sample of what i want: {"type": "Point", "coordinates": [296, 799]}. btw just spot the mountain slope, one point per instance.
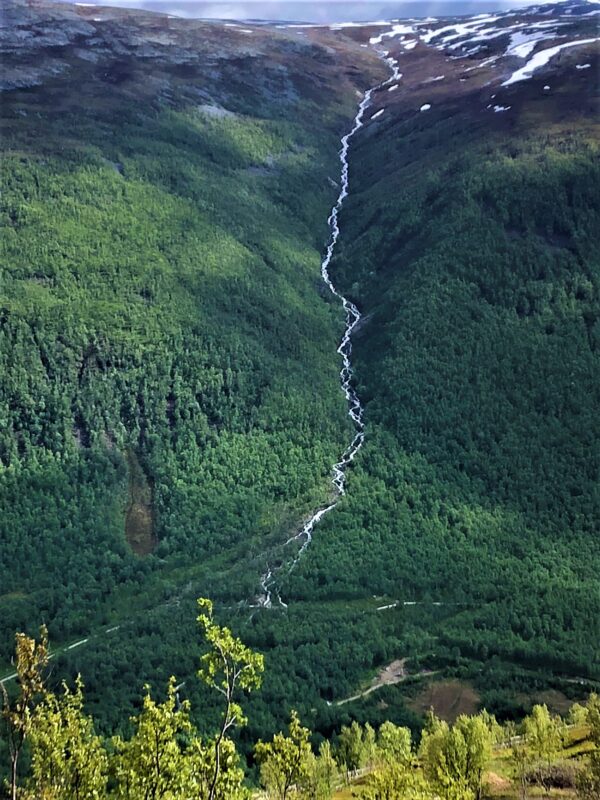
{"type": "Point", "coordinates": [162, 329]}
{"type": "Point", "coordinates": [470, 244]}
{"type": "Point", "coordinates": [173, 407]}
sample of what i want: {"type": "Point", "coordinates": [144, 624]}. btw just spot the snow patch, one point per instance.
{"type": "Point", "coordinates": [425, 107]}
{"type": "Point", "coordinates": [338, 26]}
{"type": "Point", "coordinates": [523, 43]}
{"type": "Point", "coordinates": [458, 29]}
{"type": "Point", "coordinates": [378, 113]}
{"type": "Point", "coordinates": [582, 66]}
{"type": "Point", "coordinates": [541, 58]}
{"type": "Point", "coordinates": [397, 30]}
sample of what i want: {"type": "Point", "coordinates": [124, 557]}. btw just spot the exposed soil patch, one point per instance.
{"type": "Point", "coordinates": [497, 783]}
{"type": "Point", "coordinates": [396, 672]}
{"type": "Point", "coordinates": [556, 701]}
{"type": "Point", "coordinates": [139, 518]}
{"type": "Point", "coordinates": [392, 673]}
{"type": "Point", "coordinates": [448, 699]}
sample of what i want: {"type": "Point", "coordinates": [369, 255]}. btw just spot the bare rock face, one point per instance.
{"type": "Point", "coordinates": [166, 58]}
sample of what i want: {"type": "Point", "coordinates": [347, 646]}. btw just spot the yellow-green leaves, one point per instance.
{"type": "Point", "coordinates": [394, 744]}
{"type": "Point", "coordinates": [201, 768]}
{"type": "Point", "coordinates": [229, 664]}
{"type": "Point", "coordinates": [544, 734]}
{"type": "Point", "coordinates": [68, 760]}
{"type": "Point", "coordinates": [166, 758]}
{"type": "Point", "coordinates": [588, 784]}
{"type": "Point", "coordinates": [534, 751]}
{"type": "Point", "coordinates": [31, 658]}
{"type": "Point", "coordinates": [227, 667]}
{"type": "Point", "coordinates": [593, 717]}
{"type": "Point", "coordinates": [356, 745]}
{"type": "Point", "coordinates": [397, 782]}
{"type": "Point", "coordinates": [454, 758]}
{"type": "Point", "coordinates": [285, 762]}
{"type": "Point", "coordinates": [152, 763]}
{"type": "Point", "coordinates": [393, 776]}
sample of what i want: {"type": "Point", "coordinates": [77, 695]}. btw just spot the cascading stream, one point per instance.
{"type": "Point", "coordinates": [353, 316]}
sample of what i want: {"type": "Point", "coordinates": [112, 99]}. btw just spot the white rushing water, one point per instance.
{"type": "Point", "coordinates": [353, 316]}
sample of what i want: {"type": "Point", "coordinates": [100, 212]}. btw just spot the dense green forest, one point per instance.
{"type": "Point", "coordinates": [55, 752]}
{"type": "Point", "coordinates": [161, 324]}
{"type": "Point", "coordinates": [472, 249]}
{"type": "Point", "coordinates": [170, 381]}
{"type": "Point", "coordinates": [170, 400]}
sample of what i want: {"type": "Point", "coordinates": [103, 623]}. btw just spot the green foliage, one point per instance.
{"type": "Point", "coordinates": [68, 760]}
{"type": "Point", "coordinates": [356, 746]}
{"type": "Point", "coordinates": [323, 774]}
{"type": "Point", "coordinates": [165, 757]}
{"type": "Point", "coordinates": [454, 758]}
{"type": "Point", "coordinates": [588, 784]}
{"type": "Point", "coordinates": [394, 744]}
{"type": "Point", "coordinates": [521, 763]}
{"type": "Point", "coordinates": [158, 298]}
{"type": "Point", "coordinates": [285, 762]}
{"type": "Point", "coordinates": [397, 782]}
{"type": "Point", "coordinates": [228, 667]}
{"type": "Point", "coordinates": [153, 762]}
{"type": "Point", "coordinates": [536, 749]}
{"type": "Point", "coordinates": [474, 262]}
{"type": "Point", "coordinates": [544, 734]}
{"type": "Point", "coordinates": [393, 776]}
{"type": "Point", "coordinates": [31, 659]}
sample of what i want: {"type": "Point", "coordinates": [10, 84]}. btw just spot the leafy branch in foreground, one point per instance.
{"type": "Point", "coordinates": [588, 784]}
{"type": "Point", "coordinates": [30, 661]}
{"type": "Point", "coordinates": [228, 666]}
{"type": "Point", "coordinates": [165, 758]}
{"type": "Point", "coordinates": [284, 762]}
{"type": "Point", "coordinates": [68, 759]}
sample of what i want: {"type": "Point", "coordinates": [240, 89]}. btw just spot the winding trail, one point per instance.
{"type": "Point", "coordinates": [355, 408]}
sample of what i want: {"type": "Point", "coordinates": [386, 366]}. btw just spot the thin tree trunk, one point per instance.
{"type": "Point", "coordinates": [215, 777]}
{"type": "Point", "coordinates": [213, 785]}
{"type": "Point", "coordinates": [13, 775]}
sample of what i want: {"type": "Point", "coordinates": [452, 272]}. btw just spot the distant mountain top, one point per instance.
{"type": "Point", "coordinates": [324, 13]}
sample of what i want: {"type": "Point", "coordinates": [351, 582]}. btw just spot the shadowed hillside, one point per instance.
{"type": "Point", "coordinates": [172, 407]}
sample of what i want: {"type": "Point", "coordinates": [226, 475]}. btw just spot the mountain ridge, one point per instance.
{"type": "Point", "coordinates": [168, 188]}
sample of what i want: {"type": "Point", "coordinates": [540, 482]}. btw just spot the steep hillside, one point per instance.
{"type": "Point", "coordinates": [171, 402]}
{"type": "Point", "coordinates": [172, 408]}
{"type": "Point", "coordinates": [471, 246]}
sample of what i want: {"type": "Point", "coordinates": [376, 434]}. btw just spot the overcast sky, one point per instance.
{"type": "Point", "coordinates": [325, 11]}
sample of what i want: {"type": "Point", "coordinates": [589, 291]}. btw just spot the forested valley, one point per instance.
{"type": "Point", "coordinates": [171, 406]}
{"type": "Point", "coordinates": [164, 756]}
